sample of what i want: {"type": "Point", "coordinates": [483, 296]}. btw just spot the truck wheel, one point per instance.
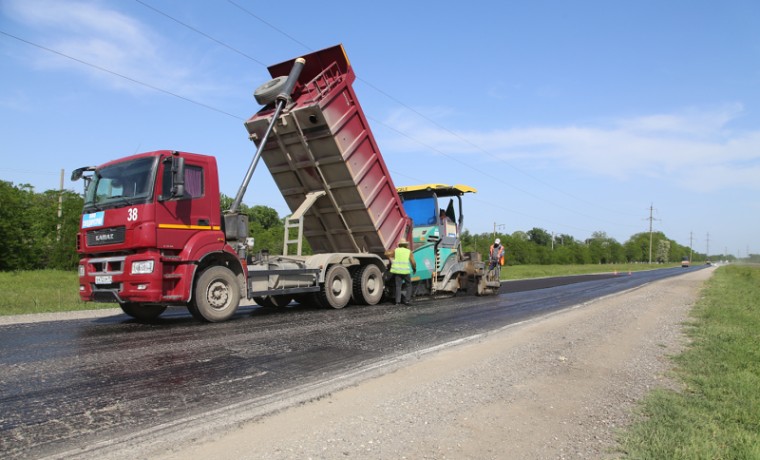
{"type": "Point", "coordinates": [368, 285]}
{"type": "Point", "coordinates": [279, 301]}
{"type": "Point", "coordinates": [193, 309]}
{"type": "Point", "coordinates": [337, 290]}
{"type": "Point", "coordinates": [216, 294]}
{"type": "Point", "coordinates": [263, 301]}
{"type": "Point", "coordinates": [267, 93]}
{"type": "Point", "coordinates": [143, 313]}
{"type": "Point", "coordinates": [273, 301]}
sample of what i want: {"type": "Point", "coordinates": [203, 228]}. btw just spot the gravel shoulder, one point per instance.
{"type": "Point", "coordinates": [556, 387]}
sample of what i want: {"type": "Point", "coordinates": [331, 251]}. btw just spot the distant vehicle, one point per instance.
{"type": "Point", "coordinates": [685, 262]}
{"type": "Point", "coordinates": [708, 263]}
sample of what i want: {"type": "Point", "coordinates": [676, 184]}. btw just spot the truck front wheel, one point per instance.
{"type": "Point", "coordinates": [216, 295]}
{"type": "Point", "coordinates": [142, 313]}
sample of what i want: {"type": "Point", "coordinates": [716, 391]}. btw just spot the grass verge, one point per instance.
{"type": "Point", "coordinates": [41, 291]}
{"type": "Point", "coordinates": [517, 272]}
{"type": "Point", "coordinates": [717, 414]}
{"type": "Point", "coordinates": [46, 291]}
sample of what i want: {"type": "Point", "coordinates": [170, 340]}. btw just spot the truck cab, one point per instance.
{"type": "Point", "coordinates": [150, 222]}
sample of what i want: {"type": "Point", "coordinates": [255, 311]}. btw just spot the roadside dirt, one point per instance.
{"type": "Point", "coordinates": [552, 388]}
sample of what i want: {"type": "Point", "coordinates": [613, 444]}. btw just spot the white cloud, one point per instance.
{"type": "Point", "coordinates": [103, 37]}
{"type": "Point", "coordinates": [694, 148]}
{"type": "Point", "coordinates": [691, 122]}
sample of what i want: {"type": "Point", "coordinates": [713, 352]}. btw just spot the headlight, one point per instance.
{"type": "Point", "coordinates": [81, 270]}
{"type": "Point", "coordinates": [142, 267]}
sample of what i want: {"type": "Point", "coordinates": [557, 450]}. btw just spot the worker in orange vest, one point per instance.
{"type": "Point", "coordinates": [495, 255]}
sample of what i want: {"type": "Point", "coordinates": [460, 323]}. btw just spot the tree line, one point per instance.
{"type": "Point", "coordinates": [539, 247]}
{"type": "Point", "coordinates": [38, 231]}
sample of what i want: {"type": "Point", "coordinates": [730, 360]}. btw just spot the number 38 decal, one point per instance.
{"type": "Point", "coordinates": [131, 214]}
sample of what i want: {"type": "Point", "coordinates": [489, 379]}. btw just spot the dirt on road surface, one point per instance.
{"type": "Point", "coordinates": [551, 388]}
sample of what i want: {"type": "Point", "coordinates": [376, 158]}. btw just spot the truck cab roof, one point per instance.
{"type": "Point", "coordinates": [439, 189]}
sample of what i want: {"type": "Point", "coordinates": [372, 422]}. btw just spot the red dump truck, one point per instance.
{"type": "Point", "coordinates": [153, 233]}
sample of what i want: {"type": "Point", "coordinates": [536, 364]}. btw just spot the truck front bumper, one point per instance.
{"type": "Point", "coordinates": [111, 279]}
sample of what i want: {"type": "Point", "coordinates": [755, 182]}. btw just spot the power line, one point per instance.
{"type": "Point", "coordinates": [424, 117]}
{"type": "Point", "coordinates": [209, 107]}
{"type": "Point", "coordinates": [133, 80]}
{"type": "Point", "coordinates": [26, 171]}
{"type": "Point", "coordinates": [271, 26]}
{"type": "Point", "coordinates": [200, 32]}
{"type": "Point", "coordinates": [401, 103]}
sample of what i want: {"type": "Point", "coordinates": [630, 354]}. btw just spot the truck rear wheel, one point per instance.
{"type": "Point", "coordinates": [216, 295]}
{"type": "Point", "coordinates": [273, 301]}
{"type": "Point", "coordinates": [143, 313]}
{"type": "Point", "coordinates": [337, 290]}
{"type": "Point", "coordinates": [368, 285]}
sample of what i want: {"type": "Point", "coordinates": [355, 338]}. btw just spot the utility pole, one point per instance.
{"type": "Point", "coordinates": [495, 226]}
{"type": "Point", "coordinates": [60, 210]}
{"type": "Point", "coordinates": [707, 254]}
{"type": "Point", "coordinates": [691, 244]}
{"type": "Point", "coordinates": [651, 218]}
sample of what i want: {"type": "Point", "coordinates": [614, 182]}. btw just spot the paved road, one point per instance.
{"type": "Point", "coordinates": [75, 386]}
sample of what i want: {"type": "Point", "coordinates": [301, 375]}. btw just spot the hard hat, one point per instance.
{"type": "Point", "coordinates": [498, 241]}
{"type": "Point", "coordinates": [403, 242]}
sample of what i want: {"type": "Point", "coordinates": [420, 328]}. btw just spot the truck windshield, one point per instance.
{"type": "Point", "coordinates": [121, 184]}
{"type": "Point", "coordinates": [422, 210]}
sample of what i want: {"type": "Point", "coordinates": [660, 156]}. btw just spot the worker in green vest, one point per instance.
{"type": "Point", "coordinates": [402, 267]}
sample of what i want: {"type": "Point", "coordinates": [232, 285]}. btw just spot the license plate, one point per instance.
{"type": "Point", "coordinates": [104, 279]}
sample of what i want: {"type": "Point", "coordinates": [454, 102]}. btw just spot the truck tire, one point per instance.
{"type": "Point", "coordinates": [216, 295]}
{"type": "Point", "coordinates": [142, 313]}
{"type": "Point", "coordinates": [267, 93]}
{"type": "Point", "coordinates": [368, 285]}
{"type": "Point", "coordinates": [273, 301]}
{"type": "Point", "coordinates": [337, 290]}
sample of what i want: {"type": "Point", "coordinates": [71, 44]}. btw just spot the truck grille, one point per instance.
{"type": "Point", "coordinates": [105, 236]}
{"type": "Point", "coordinates": [107, 296]}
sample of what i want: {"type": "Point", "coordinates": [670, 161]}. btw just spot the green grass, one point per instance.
{"type": "Point", "coordinates": [46, 291]}
{"type": "Point", "coordinates": [516, 272]}
{"type": "Point", "coordinates": [41, 291]}
{"type": "Point", "coordinates": [717, 415]}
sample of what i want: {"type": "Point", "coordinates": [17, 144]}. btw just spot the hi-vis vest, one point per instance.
{"type": "Point", "coordinates": [401, 265]}
{"type": "Point", "coordinates": [498, 254]}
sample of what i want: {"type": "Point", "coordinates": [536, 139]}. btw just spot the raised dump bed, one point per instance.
{"type": "Point", "coordinates": [322, 142]}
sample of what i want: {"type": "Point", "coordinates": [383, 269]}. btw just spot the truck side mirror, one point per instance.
{"type": "Point", "coordinates": [178, 177]}
{"type": "Point", "coordinates": [79, 172]}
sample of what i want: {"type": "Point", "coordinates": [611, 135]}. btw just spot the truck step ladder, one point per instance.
{"type": "Point", "coordinates": [296, 221]}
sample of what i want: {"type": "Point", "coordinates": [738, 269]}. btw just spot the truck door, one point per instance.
{"type": "Point", "coordinates": [179, 219]}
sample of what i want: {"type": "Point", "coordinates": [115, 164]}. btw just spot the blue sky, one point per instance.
{"type": "Point", "coordinates": [571, 116]}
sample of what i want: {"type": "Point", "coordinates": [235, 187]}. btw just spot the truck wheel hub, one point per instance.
{"type": "Point", "coordinates": [218, 294]}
